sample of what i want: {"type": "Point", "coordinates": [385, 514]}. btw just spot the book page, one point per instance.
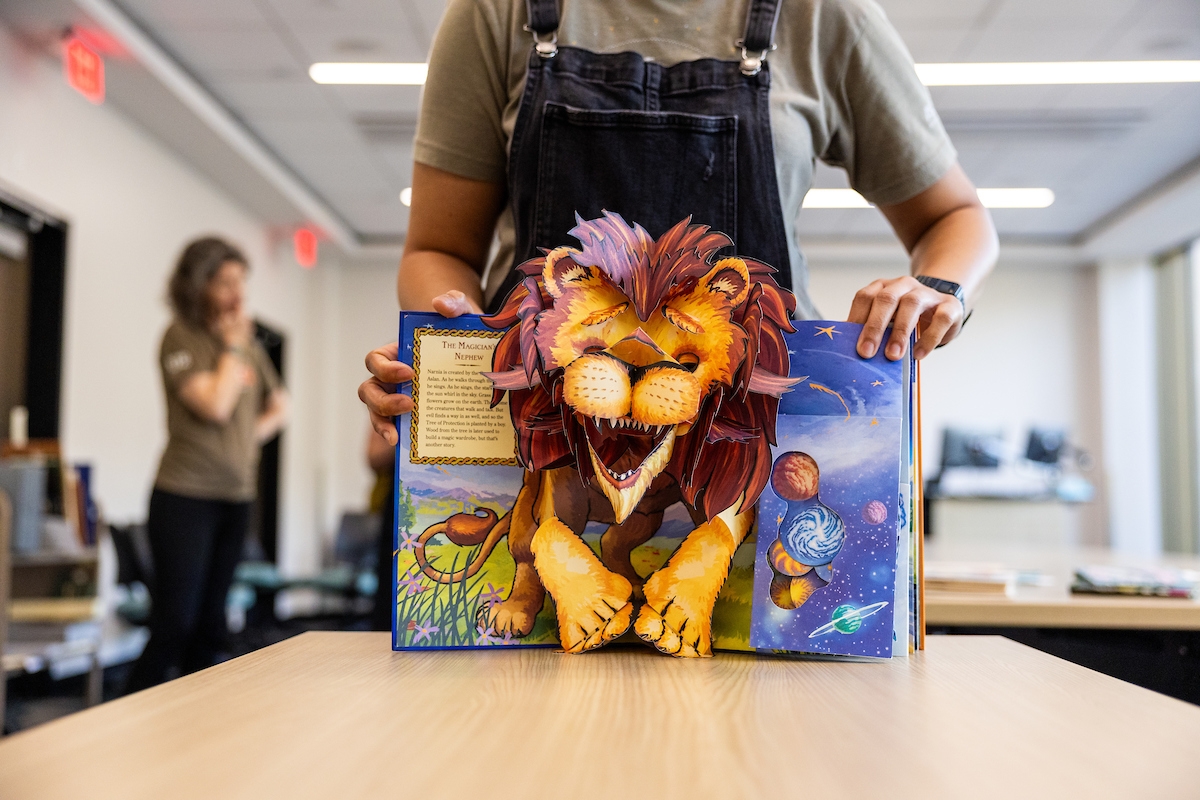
{"type": "Point", "coordinates": [453, 421]}
{"type": "Point", "coordinates": [825, 568]}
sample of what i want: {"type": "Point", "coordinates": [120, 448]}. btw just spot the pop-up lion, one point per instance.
{"type": "Point", "coordinates": [640, 373]}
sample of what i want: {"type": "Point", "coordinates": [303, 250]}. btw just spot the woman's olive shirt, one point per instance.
{"type": "Point", "coordinates": [210, 460]}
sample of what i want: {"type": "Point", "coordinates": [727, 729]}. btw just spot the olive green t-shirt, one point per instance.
{"type": "Point", "coordinates": [203, 459]}
{"type": "Point", "coordinates": [843, 89]}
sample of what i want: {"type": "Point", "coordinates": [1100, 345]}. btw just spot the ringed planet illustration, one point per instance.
{"type": "Point", "coordinates": [847, 619]}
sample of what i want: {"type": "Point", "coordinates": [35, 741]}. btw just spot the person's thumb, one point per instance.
{"type": "Point", "coordinates": [452, 304]}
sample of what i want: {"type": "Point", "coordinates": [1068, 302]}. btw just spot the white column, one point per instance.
{"type": "Point", "coordinates": [1129, 404]}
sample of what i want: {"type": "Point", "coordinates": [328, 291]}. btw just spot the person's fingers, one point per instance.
{"type": "Point", "coordinates": [882, 309]}
{"type": "Point", "coordinates": [377, 393]}
{"type": "Point", "coordinates": [908, 312]}
{"type": "Point", "coordinates": [382, 405]}
{"type": "Point", "coordinates": [861, 306]}
{"type": "Point", "coordinates": [386, 428]}
{"type": "Point", "coordinates": [383, 365]}
{"type": "Point", "coordinates": [454, 304]}
{"type": "Point", "coordinates": [940, 328]}
{"type": "Point", "coordinates": [382, 401]}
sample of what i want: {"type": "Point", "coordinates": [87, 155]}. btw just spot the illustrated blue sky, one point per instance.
{"type": "Point", "coordinates": [859, 461]}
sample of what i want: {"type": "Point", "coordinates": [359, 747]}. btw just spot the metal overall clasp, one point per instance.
{"type": "Point", "coordinates": [752, 63]}
{"type": "Point", "coordinates": [546, 44]}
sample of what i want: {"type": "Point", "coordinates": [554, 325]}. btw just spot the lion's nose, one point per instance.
{"type": "Point", "coordinates": [638, 349]}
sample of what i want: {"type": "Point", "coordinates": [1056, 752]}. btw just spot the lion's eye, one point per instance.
{"type": "Point", "coordinates": [682, 321]}
{"type": "Point", "coordinates": [604, 314]}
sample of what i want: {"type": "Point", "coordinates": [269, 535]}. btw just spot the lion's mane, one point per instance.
{"type": "Point", "coordinates": [727, 451]}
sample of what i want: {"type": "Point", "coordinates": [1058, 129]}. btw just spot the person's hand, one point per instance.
{"type": "Point", "coordinates": [248, 376]}
{"type": "Point", "coordinates": [454, 304]}
{"type": "Point", "coordinates": [379, 391]}
{"type": "Point", "coordinates": [234, 328]}
{"type": "Point", "coordinates": [905, 304]}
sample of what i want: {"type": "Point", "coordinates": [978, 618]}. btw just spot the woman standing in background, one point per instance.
{"type": "Point", "coordinates": [224, 399]}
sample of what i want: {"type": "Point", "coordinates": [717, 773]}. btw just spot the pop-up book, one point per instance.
{"type": "Point", "coordinates": [641, 445]}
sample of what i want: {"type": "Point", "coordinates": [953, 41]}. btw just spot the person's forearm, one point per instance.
{"type": "Point", "coordinates": [213, 395]}
{"type": "Point", "coordinates": [227, 386]}
{"type": "Point", "coordinates": [271, 421]}
{"type": "Point", "coordinates": [425, 274]}
{"type": "Point", "coordinates": [960, 247]}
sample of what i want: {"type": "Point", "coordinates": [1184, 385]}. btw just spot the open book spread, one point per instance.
{"type": "Point", "coordinates": [491, 553]}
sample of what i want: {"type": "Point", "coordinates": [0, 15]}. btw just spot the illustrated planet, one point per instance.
{"type": "Point", "coordinates": [812, 535]}
{"type": "Point", "coordinates": [847, 619]}
{"type": "Point", "coordinates": [874, 512]}
{"type": "Point", "coordinates": [795, 476]}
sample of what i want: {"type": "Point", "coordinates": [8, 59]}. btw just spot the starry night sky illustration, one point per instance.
{"type": "Point", "coordinates": [859, 462]}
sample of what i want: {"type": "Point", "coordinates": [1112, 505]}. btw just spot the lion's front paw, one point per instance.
{"type": "Point", "coordinates": [598, 623]}
{"type": "Point", "coordinates": [592, 603]}
{"type": "Point", "coordinates": [674, 625]}
{"type": "Point", "coordinates": [677, 616]}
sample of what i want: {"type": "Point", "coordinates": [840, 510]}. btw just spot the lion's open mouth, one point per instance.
{"type": "Point", "coordinates": [645, 452]}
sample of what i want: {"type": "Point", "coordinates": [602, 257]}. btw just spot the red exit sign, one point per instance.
{"type": "Point", "coordinates": [304, 245]}
{"type": "Point", "coordinates": [84, 70]}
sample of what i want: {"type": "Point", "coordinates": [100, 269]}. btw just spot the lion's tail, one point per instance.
{"type": "Point", "coordinates": [465, 530]}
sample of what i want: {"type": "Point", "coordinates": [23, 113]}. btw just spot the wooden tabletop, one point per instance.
{"type": "Point", "coordinates": [1052, 605]}
{"type": "Point", "coordinates": [338, 715]}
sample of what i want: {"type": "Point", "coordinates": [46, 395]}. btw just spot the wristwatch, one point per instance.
{"type": "Point", "coordinates": [947, 287]}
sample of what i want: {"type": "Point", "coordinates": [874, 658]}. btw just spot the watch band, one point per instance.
{"type": "Point", "coordinates": [944, 286]}
{"type": "Point", "coordinates": [948, 287]}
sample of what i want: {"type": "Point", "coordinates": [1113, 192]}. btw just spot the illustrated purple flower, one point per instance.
{"type": "Point", "coordinates": [425, 632]}
{"type": "Point", "coordinates": [490, 596]}
{"type": "Point", "coordinates": [408, 540]}
{"type": "Point", "coordinates": [412, 582]}
{"type": "Point", "coordinates": [486, 635]}
{"type": "Point", "coordinates": [508, 638]}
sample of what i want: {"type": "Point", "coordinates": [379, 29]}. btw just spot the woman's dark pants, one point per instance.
{"type": "Point", "coordinates": [196, 546]}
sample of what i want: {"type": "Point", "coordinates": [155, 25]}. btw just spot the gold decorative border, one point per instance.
{"type": "Point", "coordinates": [413, 457]}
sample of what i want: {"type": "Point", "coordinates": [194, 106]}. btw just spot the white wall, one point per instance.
{"type": "Point", "coordinates": [132, 205]}
{"type": "Point", "coordinates": [368, 318]}
{"type": "Point", "coordinates": [1029, 356]}
{"type": "Point", "coordinates": [1127, 302]}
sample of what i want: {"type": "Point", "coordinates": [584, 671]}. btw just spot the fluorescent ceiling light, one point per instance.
{"type": "Point", "coordinates": [1016, 198]}
{"type": "Point", "coordinates": [1014, 73]}
{"type": "Point", "coordinates": [369, 73]}
{"type": "Point", "coordinates": [992, 198]}
{"type": "Point", "coordinates": [1042, 73]}
{"type": "Point", "coordinates": [406, 196]}
{"type": "Point", "coordinates": [834, 198]}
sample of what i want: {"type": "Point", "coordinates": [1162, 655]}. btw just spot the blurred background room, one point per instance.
{"type": "Point", "coordinates": [1060, 433]}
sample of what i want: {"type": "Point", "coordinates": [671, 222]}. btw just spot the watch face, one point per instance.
{"type": "Point", "coordinates": [943, 286]}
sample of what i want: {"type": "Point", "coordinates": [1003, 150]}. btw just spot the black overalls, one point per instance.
{"type": "Point", "coordinates": [612, 132]}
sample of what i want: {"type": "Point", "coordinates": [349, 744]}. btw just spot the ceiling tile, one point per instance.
{"type": "Point", "coordinates": [1096, 146]}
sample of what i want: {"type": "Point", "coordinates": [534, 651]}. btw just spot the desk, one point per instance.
{"type": "Point", "coordinates": [1054, 606]}
{"type": "Point", "coordinates": [1153, 642]}
{"type": "Point", "coordinates": [338, 715]}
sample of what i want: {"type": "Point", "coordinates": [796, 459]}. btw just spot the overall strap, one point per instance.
{"type": "Point", "coordinates": [543, 24]}
{"type": "Point", "coordinates": [759, 39]}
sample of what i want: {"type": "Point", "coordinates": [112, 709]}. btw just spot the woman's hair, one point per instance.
{"type": "Point", "coordinates": [197, 265]}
